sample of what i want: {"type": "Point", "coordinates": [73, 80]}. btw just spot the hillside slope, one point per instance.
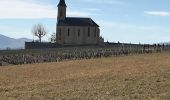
{"type": "Point", "coordinates": [7, 42]}
{"type": "Point", "coordinates": [141, 77]}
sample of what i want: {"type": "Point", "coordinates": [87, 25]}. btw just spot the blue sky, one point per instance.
{"type": "Point", "coordinates": [132, 21]}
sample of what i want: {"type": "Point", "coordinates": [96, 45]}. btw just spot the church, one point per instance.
{"type": "Point", "coordinates": [75, 30]}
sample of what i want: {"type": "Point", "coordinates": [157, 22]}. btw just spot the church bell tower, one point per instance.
{"type": "Point", "coordinates": [61, 10]}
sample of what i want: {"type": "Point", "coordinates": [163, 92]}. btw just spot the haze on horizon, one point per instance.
{"type": "Point", "coordinates": [128, 21]}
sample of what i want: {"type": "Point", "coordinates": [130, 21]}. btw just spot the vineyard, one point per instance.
{"type": "Point", "coordinates": [18, 57]}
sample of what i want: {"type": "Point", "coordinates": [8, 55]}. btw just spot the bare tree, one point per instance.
{"type": "Point", "coordinates": [39, 31]}
{"type": "Point", "coordinates": [53, 38]}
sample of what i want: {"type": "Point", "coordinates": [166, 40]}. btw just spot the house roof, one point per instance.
{"type": "Point", "coordinates": [73, 21]}
{"type": "Point", "coordinates": [62, 3]}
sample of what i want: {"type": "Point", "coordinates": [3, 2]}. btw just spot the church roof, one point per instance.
{"type": "Point", "coordinates": [73, 21]}
{"type": "Point", "coordinates": [62, 3]}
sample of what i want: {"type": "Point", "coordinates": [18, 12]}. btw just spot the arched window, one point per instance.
{"type": "Point", "coordinates": [78, 32]}
{"type": "Point", "coordinates": [88, 32]}
{"type": "Point", "coordinates": [68, 34]}
{"type": "Point", "coordinates": [94, 32]}
{"type": "Point", "coordinates": [61, 13]}
{"type": "Point", "coordinates": [60, 34]}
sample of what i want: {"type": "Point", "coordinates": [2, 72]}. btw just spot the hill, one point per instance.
{"type": "Point", "coordinates": [165, 43]}
{"type": "Point", "coordinates": [7, 42]}
{"type": "Point", "coordinates": [139, 77]}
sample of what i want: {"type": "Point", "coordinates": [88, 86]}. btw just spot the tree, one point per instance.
{"type": "Point", "coordinates": [39, 31]}
{"type": "Point", "coordinates": [53, 38]}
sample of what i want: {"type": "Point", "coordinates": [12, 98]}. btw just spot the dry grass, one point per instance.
{"type": "Point", "coordinates": [143, 77]}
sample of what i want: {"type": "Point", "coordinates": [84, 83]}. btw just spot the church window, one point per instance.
{"type": "Point", "coordinates": [95, 32]}
{"type": "Point", "coordinates": [61, 13]}
{"type": "Point", "coordinates": [60, 34]}
{"type": "Point", "coordinates": [88, 32]}
{"type": "Point", "coordinates": [68, 32]}
{"type": "Point", "coordinates": [78, 32]}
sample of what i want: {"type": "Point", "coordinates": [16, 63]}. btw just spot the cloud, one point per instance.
{"type": "Point", "coordinates": [25, 9]}
{"type": "Point", "coordinates": [110, 2]}
{"type": "Point", "coordinates": [127, 26]}
{"type": "Point", "coordinates": [158, 13]}
{"type": "Point", "coordinates": [129, 32]}
{"type": "Point", "coordinates": [79, 14]}
{"type": "Point", "coordinates": [94, 9]}
{"type": "Point", "coordinates": [15, 32]}
{"type": "Point", "coordinates": [31, 9]}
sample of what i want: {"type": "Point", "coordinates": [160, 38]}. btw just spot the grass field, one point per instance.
{"type": "Point", "coordinates": [139, 77]}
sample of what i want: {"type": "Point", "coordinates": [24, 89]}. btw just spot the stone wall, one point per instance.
{"type": "Point", "coordinates": [48, 45]}
{"type": "Point", "coordinates": [74, 35]}
{"type": "Point", "coordinates": [38, 45]}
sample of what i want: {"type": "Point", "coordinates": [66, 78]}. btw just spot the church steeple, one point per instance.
{"type": "Point", "coordinates": [62, 3]}
{"type": "Point", "coordinates": [61, 10]}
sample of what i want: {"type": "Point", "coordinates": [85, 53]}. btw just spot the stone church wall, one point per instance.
{"type": "Point", "coordinates": [71, 35]}
{"type": "Point", "coordinates": [93, 38]}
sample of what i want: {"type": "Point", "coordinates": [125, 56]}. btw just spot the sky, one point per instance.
{"type": "Point", "coordinates": [130, 21]}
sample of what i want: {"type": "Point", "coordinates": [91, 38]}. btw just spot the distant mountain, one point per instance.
{"type": "Point", "coordinates": [7, 42]}
{"type": "Point", "coordinates": [165, 43]}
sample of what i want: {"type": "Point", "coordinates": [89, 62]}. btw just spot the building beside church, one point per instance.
{"type": "Point", "coordinates": [74, 30]}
